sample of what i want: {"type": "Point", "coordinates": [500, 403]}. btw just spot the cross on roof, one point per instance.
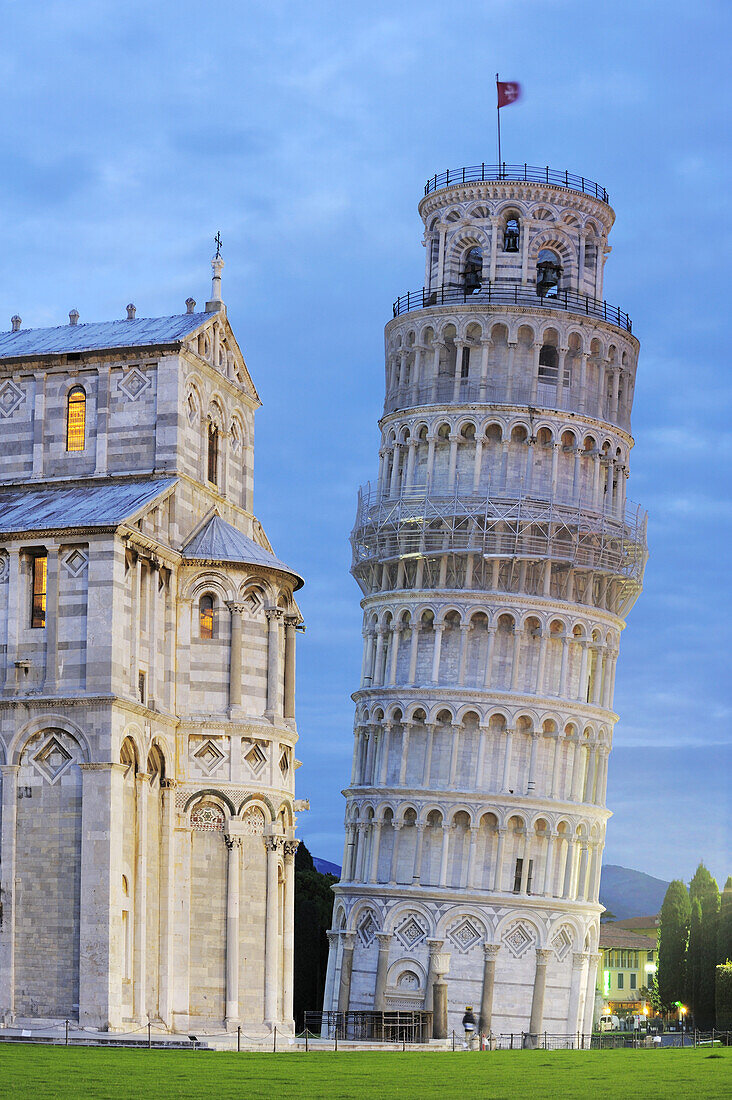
{"type": "Point", "coordinates": [217, 242]}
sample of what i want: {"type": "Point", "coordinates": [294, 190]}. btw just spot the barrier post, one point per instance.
{"type": "Point", "coordinates": [274, 1040]}
{"type": "Point", "coordinates": [67, 1033]}
{"type": "Point", "coordinates": [238, 1039]}
{"type": "Point", "coordinates": [149, 1035]}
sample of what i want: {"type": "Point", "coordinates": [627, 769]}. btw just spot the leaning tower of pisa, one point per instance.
{"type": "Point", "coordinates": [498, 557]}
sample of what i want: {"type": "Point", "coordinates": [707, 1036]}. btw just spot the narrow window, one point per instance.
{"type": "Point", "coordinates": [213, 454]}
{"type": "Point", "coordinates": [548, 365]}
{"type": "Point", "coordinates": [465, 364]}
{"type": "Point", "coordinates": [548, 273]}
{"type": "Point", "coordinates": [633, 979]}
{"type": "Point", "coordinates": [621, 980]}
{"type": "Point", "coordinates": [530, 876]}
{"type": "Point", "coordinates": [517, 876]}
{"type": "Point", "coordinates": [473, 274]}
{"type": "Point", "coordinates": [511, 236]}
{"type": "Point", "coordinates": [206, 617]}
{"type": "Point", "coordinates": [76, 420]}
{"type": "Point", "coordinates": [141, 686]}
{"type": "Point", "coordinates": [38, 602]}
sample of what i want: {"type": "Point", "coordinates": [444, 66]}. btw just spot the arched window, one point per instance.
{"type": "Point", "coordinates": [76, 420]}
{"type": "Point", "coordinates": [473, 273]}
{"type": "Point", "coordinates": [548, 273]}
{"type": "Point", "coordinates": [511, 235]}
{"type": "Point", "coordinates": [548, 364]}
{"type": "Point", "coordinates": [213, 454]}
{"type": "Point", "coordinates": [206, 621]}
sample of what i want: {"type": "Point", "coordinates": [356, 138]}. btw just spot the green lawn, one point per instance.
{"type": "Point", "coordinates": [39, 1072]}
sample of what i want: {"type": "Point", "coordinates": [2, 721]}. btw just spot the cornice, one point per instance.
{"type": "Point", "coordinates": [473, 596]}
{"type": "Point", "coordinates": [524, 190]}
{"type": "Point", "coordinates": [462, 695]}
{"type": "Point", "coordinates": [402, 894]}
{"type": "Point", "coordinates": [422, 797]}
{"type": "Point", "coordinates": [567, 416]}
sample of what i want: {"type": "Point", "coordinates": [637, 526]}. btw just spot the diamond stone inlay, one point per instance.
{"type": "Point", "coordinates": [209, 756]}
{"type": "Point", "coordinates": [366, 929]}
{"type": "Point", "coordinates": [411, 932]}
{"type": "Point", "coordinates": [52, 760]}
{"type": "Point", "coordinates": [464, 935]}
{"type": "Point", "coordinates": [10, 397]}
{"type": "Point", "coordinates": [256, 758]}
{"type": "Point", "coordinates": [562, 944]}
{"type": "Point", "coordinates": [518, 939]}
{"type": "Point", "coordinates": [134, 383]}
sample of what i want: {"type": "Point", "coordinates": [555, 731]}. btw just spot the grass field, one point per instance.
{"type": "Point", "coordinates": [40, 1072]}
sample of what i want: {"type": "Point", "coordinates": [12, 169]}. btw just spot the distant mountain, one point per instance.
{"type": "Point", "coordinates": [326, 868]}
{"type": "Point", "coordinates": [628, 893]}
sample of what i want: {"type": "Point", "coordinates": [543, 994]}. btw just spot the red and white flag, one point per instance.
{"type": "Point", "coordinates": [508, 92]}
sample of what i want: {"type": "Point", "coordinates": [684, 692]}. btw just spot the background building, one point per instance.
{"type": "Point", "coordinates": [627, 967]}
{"type": "Point", "coordinates": [498, 557]}
{"type": "Point", "coordinates": [147, 673]}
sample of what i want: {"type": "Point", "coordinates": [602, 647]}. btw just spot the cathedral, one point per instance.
{"type": "Point", "coordinates": [147, 684]}
{"type": "Point", "coordinates": [497, 557]}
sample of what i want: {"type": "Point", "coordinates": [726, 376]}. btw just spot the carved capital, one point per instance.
{"type": "Point", "coordinates": [289, 848]}
{"type": "Point", "coordinates": [274, 614]}
{"type": "Point", "coordinates": [579, 958]}
{"type": "Point", "coordinates": [384, 939]}
{"type": "Point", "coordinates": [490, 951]}
{"type": "Point", "coordinates": [272, 843]}
{"type": "Point", "coordinates": [349, 940]}
{"type": "Point", "coordinates": [543, 956]}
{"type": "Point", "coordinates": [232, 841]}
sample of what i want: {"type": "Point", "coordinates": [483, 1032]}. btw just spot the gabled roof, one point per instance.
{"type": "Point", "coordinates": [79, 504]}
{"type": "Point", "coordinates": [637, 923]}
{"type": "Point", "coordinates": [98, 335]}
{"type": "Point", "coordinates": [218, 541]}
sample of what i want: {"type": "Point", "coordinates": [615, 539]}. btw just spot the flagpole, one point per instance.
{"type": "Point", "coordinates": [498, 117]}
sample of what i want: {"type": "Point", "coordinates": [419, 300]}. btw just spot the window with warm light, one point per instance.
{"type": "Point", "coordinates": [206, 617]}
{"type": "Point", "coordinates": [213, 454]}
{"type": "Point", "coordinates": [38, 600]}
{"type": "Point", "coordinates": [76, 420]}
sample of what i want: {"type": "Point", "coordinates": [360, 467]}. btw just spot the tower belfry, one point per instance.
{"type": "Point", "coordinates": [498, 557]}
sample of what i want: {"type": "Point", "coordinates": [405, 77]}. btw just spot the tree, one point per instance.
{"type": "Point", "coordinates": [673, 939]}
{"type": "Point", "coordinates": [693, 957]}
{"type": "Point", "coordinates": [703, 888]}
{"type": "Point", "coordinates": [313, 913]}
{"type": "Point", "coordinates": [724, 925]}
{"type": "Point", "coordinates": [724, 997]}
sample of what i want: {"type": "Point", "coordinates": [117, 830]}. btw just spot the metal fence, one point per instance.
{"type": "Point", "coordinates": [396, 1026]}
{"type": "Point", "coordinates": [528, 173]}
{"type": "Point", "coordinates": [508, 294]}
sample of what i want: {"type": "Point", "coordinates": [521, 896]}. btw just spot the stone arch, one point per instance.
{"type": "Point", "coordinates": [38, 725]}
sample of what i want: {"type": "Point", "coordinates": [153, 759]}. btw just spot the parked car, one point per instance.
{"type": "Point", "coordinates": [609, 1023]}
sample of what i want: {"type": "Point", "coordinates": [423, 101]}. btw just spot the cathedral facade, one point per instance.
{"type": "Point", "coordinates": [498, 557]}
{"type": "Point", "coordinates": [147, 684]}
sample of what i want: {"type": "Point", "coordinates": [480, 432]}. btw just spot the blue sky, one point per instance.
{"type": "Point", "coordinates": [305, 132]}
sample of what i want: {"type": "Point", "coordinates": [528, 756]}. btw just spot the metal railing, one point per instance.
{"type": "Point", "coordinates": [527, 173]}
{"type": "Point", "coordinates": [394, 1026]}
{"type": "Point", "coordinates": [589, 399]}
{"type": "Point", "coordinates": [511, 294]}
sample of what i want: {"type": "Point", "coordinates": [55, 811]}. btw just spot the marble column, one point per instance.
{"type": "Point", "coordinates": [579, 959]}
{"type": "Point", "coordinates": [434, 947]}
{"type": "Point", "coordinates": [537, 1000]}
{"type": "Point", "coordinates": [274, 615]}
{"type": "Point", "coordinates": [9, 773]}
{"type": "Point", "coordinates": [233, 844]}
{"type": "Point", "coordinates": [490, 954]}
{"type": "Point", "coordinates": [272, 845]}
{"type": "Point", "coordinates": [498, 871]}
{"type": "Point", "coordinates": [289, 849]}
{"type": "Point", "coordinates": [142, 787]}
{"type": "Point", "coordinates": [167, 898]}
{"type": "Point", "coordinates": [593, 962]}
{"type": "Point", "coordinates": [235, 665]}
{"type": "Point", "coordinates": [100, 946]}
{"type": "Point", "coordinates": [348, 940]}
{"type": "Point", "coordinates": [384, 941]}
{"type": "Point", "coordinates": [290, 646]}
{"type": "Point", "coordinates": [328, 995]}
